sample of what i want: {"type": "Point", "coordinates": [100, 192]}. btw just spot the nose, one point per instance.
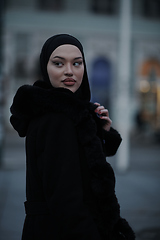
{"type": "Point", "coordinates": [68, 70]}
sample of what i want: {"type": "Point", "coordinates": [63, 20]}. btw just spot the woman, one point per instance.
{"type": "Point", "coordinates": [70, 187]}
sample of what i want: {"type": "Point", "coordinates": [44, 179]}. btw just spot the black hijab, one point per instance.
{"type": "Point", "coordinates": [49, 46]}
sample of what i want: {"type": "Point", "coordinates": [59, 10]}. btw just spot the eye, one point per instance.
{"type": "Point", "coordinates": [76, 64]}
{"type": "Point", "coordinates": [58, 64]}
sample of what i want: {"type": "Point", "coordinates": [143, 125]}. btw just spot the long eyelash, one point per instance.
{"type": "Point", "coordinates": [80, 63]}
{"type": "Point", "coordinates": [56, 63]}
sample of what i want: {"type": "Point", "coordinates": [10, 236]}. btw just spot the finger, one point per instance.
{"type": "Point", "coordinates": [109, 121]}
{"type": "Point", "coordinates": [104, 112]}
{"type": "Point", "coordinates": [100, 108]}
{"type": "Point", "coordinates": [97, 104]}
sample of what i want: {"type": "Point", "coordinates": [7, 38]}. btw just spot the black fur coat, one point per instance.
{"type": "Point", "coordinates": [70, 187]}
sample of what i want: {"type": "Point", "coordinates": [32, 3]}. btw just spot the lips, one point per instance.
{"type": "Point", "coordinates": [69, 81]}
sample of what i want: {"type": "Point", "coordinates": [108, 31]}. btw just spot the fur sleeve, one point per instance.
{"type": "Point", "coordinates": [111, 141]}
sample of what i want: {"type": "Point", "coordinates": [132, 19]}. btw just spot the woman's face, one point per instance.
{"type": "Point", "coordinates": [65, 67]}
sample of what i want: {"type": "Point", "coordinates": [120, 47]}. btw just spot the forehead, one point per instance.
{"type": "Point", "coordinates": [67, 50]}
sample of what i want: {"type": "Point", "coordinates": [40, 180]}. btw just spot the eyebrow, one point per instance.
{"type": "Point", "coordinates": [64, 58]}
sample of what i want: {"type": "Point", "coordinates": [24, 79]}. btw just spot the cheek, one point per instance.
{"type": "Point", "coordinates": [49, 71]}
{"type": "Point", "coordinates": [52, 73]}
{"type": "Point", "coordinates": [80, 74]}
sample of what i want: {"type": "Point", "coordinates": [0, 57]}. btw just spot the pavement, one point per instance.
{"type": "Point", "coordinates": [138, 189]}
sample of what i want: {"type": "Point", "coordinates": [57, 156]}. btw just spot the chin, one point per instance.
{"type": "Point", "coordinates": [72, 89]}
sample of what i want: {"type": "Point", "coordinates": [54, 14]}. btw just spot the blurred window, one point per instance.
{"type": "Point", "coordinates": [151, 8]}
{"type": "Point", "coordinates": [20, 68]}
{"type": "Point", "coordinates": [108, 7]}
{"type": "Point", "coordinates": [22, 43]}
{"type": "Point", "coordinates": [51, 5]}
{"type": "Point", "coordinates": [150, 93]}
{"type": "Point", "coordinates": [19, 4]}
{"type": "Point", "coordinates": [101, 81]}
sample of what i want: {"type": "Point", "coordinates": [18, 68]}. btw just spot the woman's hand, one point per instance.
{"type": "Point", "coordinates": [103, 114]}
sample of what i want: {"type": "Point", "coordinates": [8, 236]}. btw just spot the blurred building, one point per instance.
{"type": "Point", "coordinates": [96, 23]}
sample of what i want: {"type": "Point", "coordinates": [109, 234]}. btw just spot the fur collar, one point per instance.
{"type": "Point", "coordinates": [32, 101]}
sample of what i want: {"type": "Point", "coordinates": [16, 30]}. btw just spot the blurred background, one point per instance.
{"type": "Point", "coordinates": [121, 40]}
